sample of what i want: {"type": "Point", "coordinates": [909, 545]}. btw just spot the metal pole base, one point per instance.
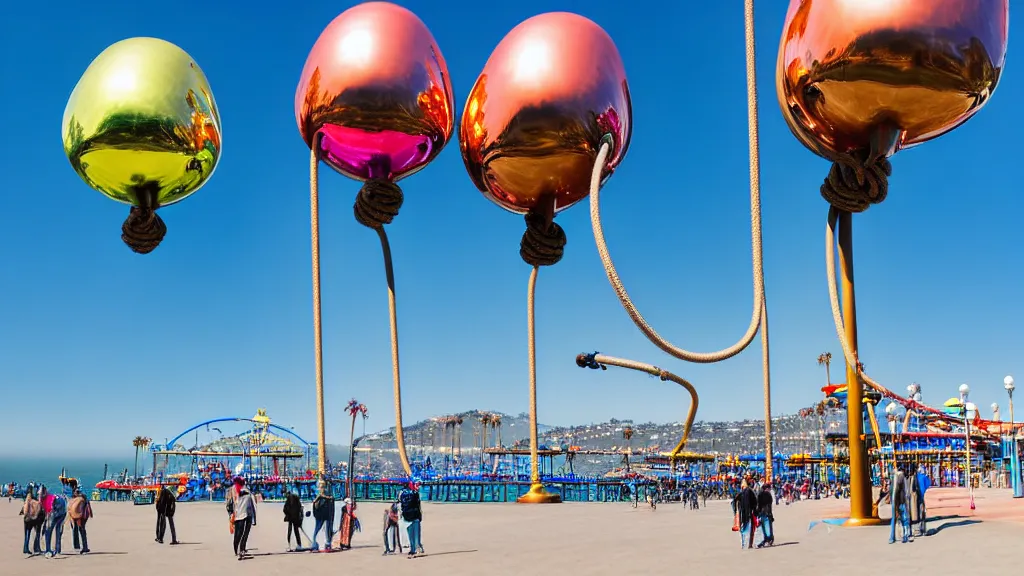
{"type": "Point", "coordinates": [538, 495]}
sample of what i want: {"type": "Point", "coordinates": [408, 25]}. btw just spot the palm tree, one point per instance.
{"type": "Point", "coordinates": [458, 434]}
{"type": "Point", "coordinates": [354, 408]}
{"type": "Point", "coordinates": [826, 359]}
{"type": "Point", "coordinates": [139, 442]}
{"type": "Point", "coordinates": [627, 434]}
{"type": "Point", "coordinates": [496, 422]}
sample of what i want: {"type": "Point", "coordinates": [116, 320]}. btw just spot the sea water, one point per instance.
{"type": "Point", "coordinates": [46, 470]}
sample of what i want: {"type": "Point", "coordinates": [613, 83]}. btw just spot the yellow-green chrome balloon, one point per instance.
{"type": "Point", "coordinates": [141, 125]}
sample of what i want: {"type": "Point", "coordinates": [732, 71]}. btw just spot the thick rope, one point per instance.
{"type": "Point", "coordinates": [531, 351]}
{"type": "Point", "coordinates": [143, 230]}
{"type": "Point", "coordinates": [856, 181]}
{"type": "Point", "coordinates": [766, 376]}
{"type": "Point", "coordinates": [396, 373]}
{"type": "Point", "coordinates": [543, 242]}
{"type": "Point", "coordinates": [318, 353]}
{"type": "Point", "coordinates": [755, 225]}
{"type": "Point", "coordinates": [378, 203]}
{"type": "Point", "coordinates": [597, 360]}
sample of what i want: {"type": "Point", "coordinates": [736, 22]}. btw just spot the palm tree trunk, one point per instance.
{"type": "Point", "coordinates": [136, 462]}
{"type": "Point", "coordinates": [828, 375]}
{"type": "Point", "coordinates": [351, 456]}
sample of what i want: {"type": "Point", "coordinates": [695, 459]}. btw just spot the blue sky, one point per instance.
{"type": "Point", "coordinates": [94, 340]}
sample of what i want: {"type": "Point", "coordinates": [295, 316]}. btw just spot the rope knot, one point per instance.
{"type": "Point", "coordinates": [143, 230]}
{"type": "Point", "coordinates": [378, 203]}
{"type": "Point", "coordinates": [589, 361]}
{"type": "Point", "coordinates": [855, 182]}
{"type": "Point", "coordinates": [543, 242]}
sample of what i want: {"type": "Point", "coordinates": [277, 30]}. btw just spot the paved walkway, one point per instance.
{"type": "Point", "coordinates": [577, 539]}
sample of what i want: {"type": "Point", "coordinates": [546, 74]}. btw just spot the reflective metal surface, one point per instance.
{"type": "Point", "coordinates": [141, 125]}
{"type": "Point", "coordinates": [533, 123]}
{"type": "Point", "coordinates": [376, 86]}
{"type": "Point", "coordinates": [887, 74]}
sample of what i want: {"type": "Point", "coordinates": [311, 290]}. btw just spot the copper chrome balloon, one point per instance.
{"type": "Point", "coordinates": [887, 74]}
{"type": "Point", "coordinates": [141, 125]}
{"type": "Point", "coordinates": [376, 87]}
{"type": "Point", "coordinates": [533, 123]}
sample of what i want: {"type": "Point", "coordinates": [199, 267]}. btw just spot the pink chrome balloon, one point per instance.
{"type": "Point", "coordinates": [533, 123]}
{"type": "Point", "coordinates": [376, 88]}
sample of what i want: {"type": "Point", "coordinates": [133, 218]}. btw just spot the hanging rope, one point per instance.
{"type": "Point", "coordinates": [856, 181]}
{"type": "Point", "coordinates": [377, 204]}
{"type": "Point", "coordinates": [766, 376]}
{"type": "Point", "coordinates": [601, 361]}
{"type": "Point", "coordinates": [314, 217]}
{"type": "Point", "coordinates": [531, 352]}
{"type": "Point", "coordinates": [755, 225]}
{"type": "Point", "coordinates": [143, 230]}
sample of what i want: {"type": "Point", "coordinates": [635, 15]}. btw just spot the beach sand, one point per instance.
{"type": "Point", "coordinates": [558, 539]}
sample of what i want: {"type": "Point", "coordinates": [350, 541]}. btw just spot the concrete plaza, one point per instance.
{"type": "Point", "coordinates": [560, 539]}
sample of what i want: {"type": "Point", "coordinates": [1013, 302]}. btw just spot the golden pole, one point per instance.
{"type": "Point", "coordinates": [860, 476]}
{"type": "Point", "coordinates": [314, 212]}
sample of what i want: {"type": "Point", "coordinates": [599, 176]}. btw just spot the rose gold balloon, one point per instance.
{"type": "Point", "coordinates": [376, 88]}
{"type": "Point", "coordinates": [887, 74]}
{"type": "Point", "coordinates": [533, 124]}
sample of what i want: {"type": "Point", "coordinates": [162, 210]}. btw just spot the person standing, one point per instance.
{"type": "Point", "coordinates": [900, 501]}
{"type": "Point", "coordinates": [323, 513]}
{"type": "Point", "coordinates": [349, 524]}
{"type": "Point", "coordinates": [746, 505]}
{"type": "Point", "coordinates": [244, 510]}
{"type": "Point", "coordinates": [392, 541]}
{"type": "Point", "coordinates": [79, 511]}
{"type": "Point", "coordinates": [293, 517]}
{"type": "Point", "coordinates": [165, 505]}
{"type": "Point", "coordinates": [764, 514]}
{"type": "Point", "coordinates": [413, 516]}
{"type": "Point", "coordinates": [54, 525]}
{"type": "Point", "coordinates": [922, 485]}
{"type": "Point", "coordinates": [32, 512]}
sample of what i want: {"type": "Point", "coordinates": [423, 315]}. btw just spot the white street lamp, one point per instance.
{"type": "Point", "coordinates": [1008, 385]}
{"type": "Point", "coordinates": [995, 411]}
{"type": "Point", "coordinates": [967, 407]}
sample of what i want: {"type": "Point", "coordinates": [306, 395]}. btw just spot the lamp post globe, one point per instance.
{"type": "Point", "coordinates": [965, 390]}
{"type": "Point", "coordinates": [1008, 384]}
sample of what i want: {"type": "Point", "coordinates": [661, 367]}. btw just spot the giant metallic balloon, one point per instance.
{"type": "Point", "coordinates": [533, 123]}
{"type": "Point", "coordinates": [887, 74]}
{"type": "Point", "coordinates": [375, 87]}
{"type": "Point", "coordinates": [141, 125]}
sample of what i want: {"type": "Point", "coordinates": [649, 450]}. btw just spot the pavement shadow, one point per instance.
{"type": "Point", "coordinates": [445, 553]}
{"type": "Point", "coordinates": [784, 544]}
{"type": "Point", "coordinates": [948, 517]}
{"type": "Point", "coordinates": [968, 522]}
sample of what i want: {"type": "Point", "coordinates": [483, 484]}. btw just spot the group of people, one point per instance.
{"type": "Point", "coordinates": [906, 495]}
{"type": "Point", "coordinates": [752, 507]}
{"type": "Point", "coordinates": [46, 515]}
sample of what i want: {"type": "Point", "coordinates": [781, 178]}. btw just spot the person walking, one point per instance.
{"type": "Point", "coordinates": [54, 525]}
{"type": "Point", "coordinates": [746, 505]}
{"type": "Point", "coordinates": [293, 517]}
{"type": "Point", "coordinates": [392, 540]}
{"type": "Point", "coordinates": [165, 505]}
{"type": "Point", "coordinates": [764, 514]}
{"type": "Point", "coordinates": [244, 510]}
{"type": "Point", "coordinates": [79, 511]}
{"type": "Point", "coordinates": [921, 486]}
{"type": "Point", "coordinates": [413, 516]}
{"type": "Point", "coordinates": [33, 514]}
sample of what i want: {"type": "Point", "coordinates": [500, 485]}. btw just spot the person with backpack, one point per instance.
{"type": "Point", "coordinates": [33, 515]}
{"type": "Point", "coordinates": [413, 515]}
{"type": "Point", "coordinates": [293, 517]}
{"type": "Point", "coordinates": [392, 541]}
{"type": "Point", "coordinates": [165, 505]}
{"type": "Point", "coordinates": [323, 513]}
{"type": "Point", "coordinates": [79, 511]}
{"type": "Point", "coordinates": [53, 528]}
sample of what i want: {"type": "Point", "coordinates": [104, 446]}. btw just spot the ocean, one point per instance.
{"type": "Point", "coordinates": [46, 470]}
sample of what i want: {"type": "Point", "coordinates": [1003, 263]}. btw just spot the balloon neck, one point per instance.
{"type": "Point", "coordinates": [380, 167]}
{"type": "Point", "coordinates": [147, 194]}
{"type": "Point", "coordinates": [885, 141]}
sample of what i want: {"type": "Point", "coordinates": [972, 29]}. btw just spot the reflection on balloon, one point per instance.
{"type": "Point", "coordinates": [142, 127]}
{"type": "Point", "coordinates": [375, 88]}
{"type": "Point", "coordinates": [533, 123]}
{"type": "Point", "coordinates": [882, 76]}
